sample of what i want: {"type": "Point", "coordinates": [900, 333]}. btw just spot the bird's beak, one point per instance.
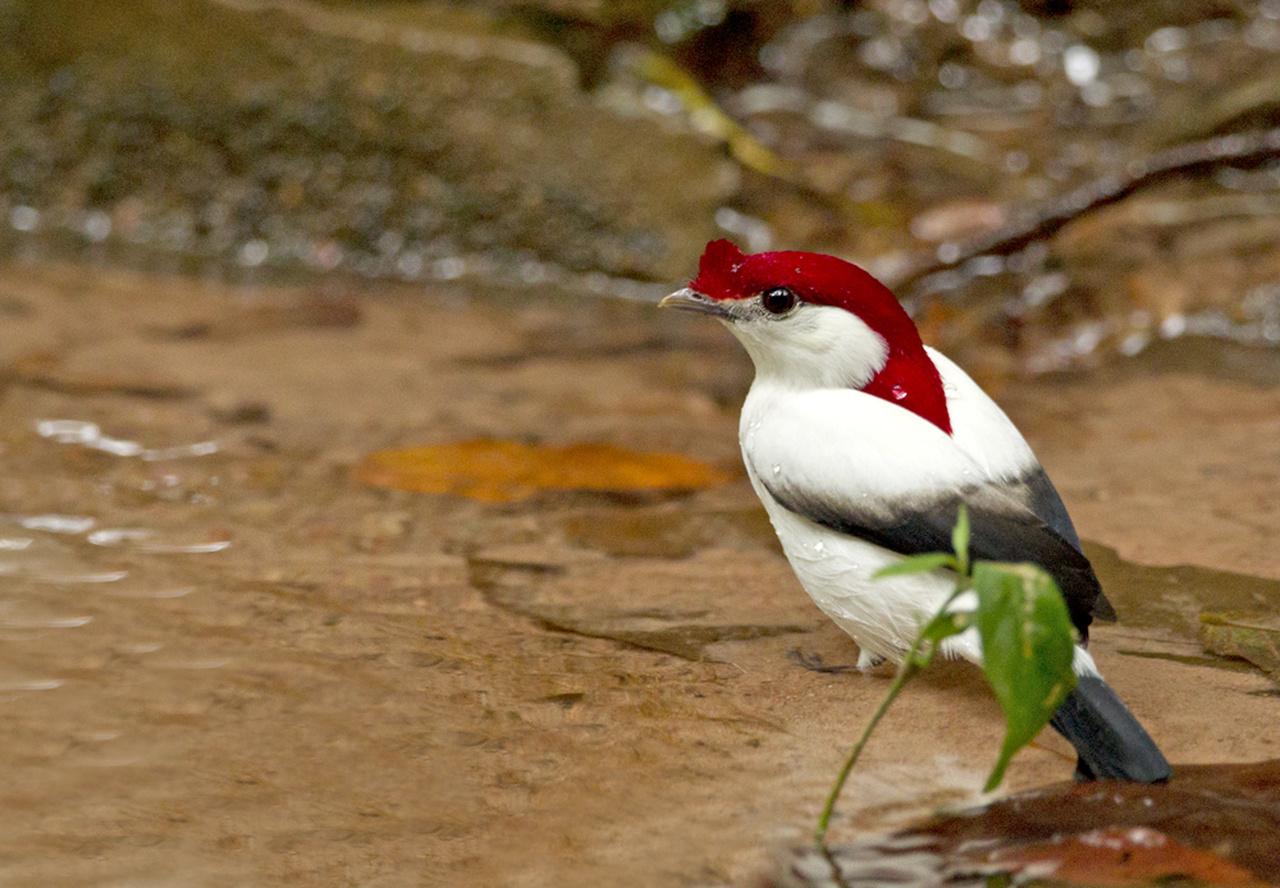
{"type": "Point", "coordinates": [692, 300]}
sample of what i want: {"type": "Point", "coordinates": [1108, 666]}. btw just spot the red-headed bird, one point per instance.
{"type": "Point", "coordinates": [862, 442]}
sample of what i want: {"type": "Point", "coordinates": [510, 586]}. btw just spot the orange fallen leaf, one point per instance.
{"type": "Point", "coordinates": [506, 471]}
{"type": "Point", "coordinates": [1123, 856]}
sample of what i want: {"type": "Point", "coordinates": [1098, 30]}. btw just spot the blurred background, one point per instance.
{"type": "Point", "coordinates": [361, 523]}
{"type": "Point", "coordinates": [597, 146]}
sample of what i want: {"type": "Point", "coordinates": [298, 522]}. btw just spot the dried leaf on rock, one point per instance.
{"type": "Point", "coordinates": [506, 471]}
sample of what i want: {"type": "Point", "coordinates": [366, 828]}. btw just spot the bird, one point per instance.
{"type": "Point", "coordinates": [862, 443]}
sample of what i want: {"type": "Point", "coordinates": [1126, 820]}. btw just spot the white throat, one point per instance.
{"type": "Point", "coordinates": [817, 347]}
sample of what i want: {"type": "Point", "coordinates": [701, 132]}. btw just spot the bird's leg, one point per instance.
{"type": "Point", "coordinates": [867, 661]}
{"type": "Point", "coordinates": [814, 663]}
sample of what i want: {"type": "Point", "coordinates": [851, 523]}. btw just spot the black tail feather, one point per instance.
{"type": "Point", "coordinates": [1110, 742]}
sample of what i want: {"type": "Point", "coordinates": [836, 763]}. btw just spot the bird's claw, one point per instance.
{"type": "Point", "coordinates": [814, 663]}
{"type": "Point", "coordinates": [868, 661]}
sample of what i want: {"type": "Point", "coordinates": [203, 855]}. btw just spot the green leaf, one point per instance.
{"type": "Point", "coordinates": [1028, 647]}
{"type": "Point", "coordinates": [917, 564]}
{"type": "Point", "coordinates": [960, 539]}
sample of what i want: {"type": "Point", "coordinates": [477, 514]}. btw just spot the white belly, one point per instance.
{"type": "Point", "coordinates": [852, 442]}
{"type": "Point", "coordinates": [882, 615]}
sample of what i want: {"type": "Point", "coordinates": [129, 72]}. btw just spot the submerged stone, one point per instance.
{"type": "Point", "coordinates": [1250, 636]}
{"type": "Point", "coordinates": [1212, 824]}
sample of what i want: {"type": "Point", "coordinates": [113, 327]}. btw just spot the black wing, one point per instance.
{"type": "Point", "coordinates": [1042, 498]}
{"type": "Point", "coordinates": [1019, 521]}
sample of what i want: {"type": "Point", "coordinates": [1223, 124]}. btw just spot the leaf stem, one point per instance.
{"type": "Point", "coordinates": [908, 670]}
{"type": "Point", "coordinates": [905, 672]}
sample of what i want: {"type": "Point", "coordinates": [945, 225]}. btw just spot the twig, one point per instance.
{"type": "Point", "coordinates": [1192, 158]}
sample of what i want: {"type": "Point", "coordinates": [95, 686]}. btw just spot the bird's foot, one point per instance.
{"type": "Point", "coordinates": [814, 663]}
{"type": "Point", "coordinates": [868, 661]}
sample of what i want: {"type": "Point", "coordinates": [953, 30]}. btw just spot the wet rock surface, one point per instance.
{"type": "Point", "coordinates": [1254, 637]}
{"type": "Point", "coordinates": [1213, 824]}
{"type": "Point", "coordinates": [225, 658]}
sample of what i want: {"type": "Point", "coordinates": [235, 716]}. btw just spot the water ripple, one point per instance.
{"type": "Point", "coordinates": [153, 594]}
{"type": "Point", "coordinates": [37, 575]}
{"type": "Point", "coordinates": [90, 435]}
{"type": "Point", "coordinates": [44, 622]}
{"type": "Point", "coordinates": [34, 684]}
{"type": "Point", "coordinates": [143, 540]}
{"type": "Point", "coordinates": [68, 524]}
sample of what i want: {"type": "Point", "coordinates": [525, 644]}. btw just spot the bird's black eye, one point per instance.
{"type": "Point", "coordinates": [778, 300]}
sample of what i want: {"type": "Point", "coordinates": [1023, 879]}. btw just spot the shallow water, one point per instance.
{"type": "Point", "coordinates": [223, 657]}
{"type": "Point", "coordinates": [1090, 834]}
{"type": "Point", "coordinates": [1174, 597]}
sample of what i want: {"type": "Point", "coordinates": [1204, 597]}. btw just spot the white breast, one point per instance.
{"type": "Point", "coordinates": [882, 616]}
{"type": "Point", "coordinates": [862, 449]}
{"type": "Point", "coordinates": [843, 440]}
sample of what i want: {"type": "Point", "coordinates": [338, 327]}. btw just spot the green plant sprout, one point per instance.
{"type": "Point", "coordinates": [1028, 647]}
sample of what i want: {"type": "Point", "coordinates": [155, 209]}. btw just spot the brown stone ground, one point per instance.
{"type": "Point", "coordinates": [376, 688]}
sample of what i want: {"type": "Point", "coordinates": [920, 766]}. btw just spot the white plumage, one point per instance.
{"type": "Point", "coordinates": [796, 431]}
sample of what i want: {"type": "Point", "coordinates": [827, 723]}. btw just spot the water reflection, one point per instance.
{"type": "Point", "coordinates": [143, 540]}
{"type": "Point", "coordinates": [88, 434]}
